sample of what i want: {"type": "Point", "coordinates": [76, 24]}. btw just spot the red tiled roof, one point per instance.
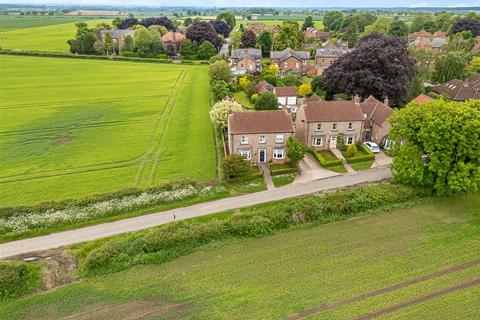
{"type": "Point", "coordinates": [421, 99]}
{"type": "Point", "coordinates": [329, 111]}
{"type": "Point", "coordinates": [285, 91]}
{"type": "Point", "coordinates": [271, 121]}
{"type": "Point", "coordinates": [171, 36]}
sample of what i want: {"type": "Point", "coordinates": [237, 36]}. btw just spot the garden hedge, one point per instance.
{"type": "Point", "coordinates": [284, 169]}
{"type": "Point", "coordinates": [94, 57]}
{"type": "Point", "coordinates": [324, 163]}
{"type": "Point", "coordinates": [363, 157]}
{"type": "Point", "coordinates": [164, 243]}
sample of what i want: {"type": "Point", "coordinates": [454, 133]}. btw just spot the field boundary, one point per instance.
{"type": "Point", "coordinates": [378, 292]}
{"type": "Point", "coordinates": [46, 54]}
{"type": "Point", "coordinates": [433, 295]}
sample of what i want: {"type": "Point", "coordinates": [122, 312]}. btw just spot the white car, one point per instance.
{"type": "Point", "coordinates": [372, 146]}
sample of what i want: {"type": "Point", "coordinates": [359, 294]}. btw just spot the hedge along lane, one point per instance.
{"type": "Point", "coordinates": [143, 222]}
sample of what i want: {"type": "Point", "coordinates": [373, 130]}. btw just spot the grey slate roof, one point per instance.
{"type": "Point", "coordinates": [287, 53]}
{"type": "Point", "coordinates": [116, 33]}
{"type": "Point", "coordinates": [435, 43]}
{"type": "Point", "coordinates": [252, 53]}
{"type": "Point", "coordinates": [322, 52]}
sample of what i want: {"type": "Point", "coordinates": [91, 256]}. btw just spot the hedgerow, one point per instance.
{"type": "Point", "coordinates": [161, 244]}
{"type": "Point", "coordinates": [18, 278]}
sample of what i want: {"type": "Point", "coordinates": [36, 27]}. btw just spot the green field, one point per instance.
{"type": "Point", "coordinates": [52, 38]}
{"type": "Point", "coordinates": [72, 127]}
{"type": "Point", "coordinates": [13, 22]}
{"type": "Point", "coordinates": [297, 271]}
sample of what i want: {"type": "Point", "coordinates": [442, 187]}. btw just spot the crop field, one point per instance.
{"type": "Point", "coordinates": [51, 38]}
{"type": "Point", "coordinates": [72, 127]}
{"type": "Point", "coordinates": [417, 263]}
{"type": "Point", "coordinates": [12, 22]}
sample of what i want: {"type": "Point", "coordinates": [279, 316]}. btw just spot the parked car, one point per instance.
{"type": "Point", "coordinates": [372, 146]}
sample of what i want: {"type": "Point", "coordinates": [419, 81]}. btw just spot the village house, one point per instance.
{"type": "Point", "coordinates": [246, 60]}
{"type": "Point", "coordinates": [117, 35]}
{"type": "Point", "coordinates": [260, 136]}
{"type": "Point", "coordinates": [257, 28]}
{"type": "Point", "coordinates": [325, 57]}
{"type": "Point", "coordinates": [458, 90]}
{"type": "Point", "coordinates": [263, 86]}
{"type": "Point", "coordinates": [319, 123]}
{"type": "Point", "coordinates": [287, 98]}
{"type": "Point", "coordinates": [289, 60]}
{"type": "Point", "coordinates": [425, 40]}
{"type": "Point", "coordinates": [316, 35]}
{"type": "Point", "coordinates": [174, 38]}
{"type": "Point", "coordinates": [422, 99]}
{"type": "Point", "coordinates": [342, 45]}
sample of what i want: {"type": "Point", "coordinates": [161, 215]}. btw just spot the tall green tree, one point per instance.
{"type": "Point", "coordinates": [434, 146]}
{"type": "Point", "coordinates": [308, 23]}
{"type": "Point", "coordinates": [267, 101]}
{"type": "Point", "coordinates": [423, 22]}
{"type": "Point", "coordinates": [449, 66]}
{"type": "Point", "coordinates": [229, 18]}
{"type": "Point", "coordinates": [289, 36]}
{"type": "Point", "coordinates": [398, 28]}
{"type": "Point", "coordinates": [380, 26]}
{"type": "Point", "coordinates": [249, 40]}
{"type": "Point", "coordinates": [332, 20]}
{"type": "Point", "coordinates": [295, 150]}
{"type": "Point", "coordinates": [206, 50]}
{"type": "Point", "coordinates": [352, 34]}
{"type": "Point", "coordinates": [265, 42]}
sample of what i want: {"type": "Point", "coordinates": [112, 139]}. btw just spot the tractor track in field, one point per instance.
{"type": "Point", "coordinates": [73, 127]}
{"type": "Point", "coordinates": [431, 296]}
{"type": "Point", "coordinates": [162, 135]}
{"type": "Point", "coordinates": [382, 291]}
{"type": "Point", "coordinates": [64, 104]}
{"type": "Point", "coordinates": [150, 144]}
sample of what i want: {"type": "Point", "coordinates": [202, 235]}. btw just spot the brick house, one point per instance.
{"type": "Point", "coordinates": [174, 38]}
{"type": "Point", "coordinates": [287, 98]}
{"type": "Point", "coordinates": [375, 125]}
{"type": "Point", "coordinates": [260, 136]}
{"type": "Point", "coordinates": [316, 35]}
{"type": "Point", "coordinates": [263, 86]}
{"type": "Point", "coordinates": [325, 57]}
{"type": "Point", "coordinates": [257, 28]}
{"type": "Point", "coordinates": [318, 123]}
{"type": "Point", "coordinates": [117, 35]}
{"type": "Point", "coordinates": [289, 60]}
{"type": "Point", "coordinates": [246, 60]}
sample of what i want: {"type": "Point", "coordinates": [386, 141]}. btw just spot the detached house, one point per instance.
{"type": "Point", "coordinates": [174, 38]}
{"type": "Point", "coordinates": [117, 35]}
{"type": "Point", "coordinates": [257, 28]}
{"type": "Point", "coordinates": [246, 60]}
{"type": "Point", "coordinates": [287, 98]}
{"type": "Point", "coordinates": [316, 35]}
{"type": "Point", "coordinates": [289, 60]}
{"type": "Point", "coordinates": [329, 53]}
{"type": "Point", "coordinates": [260, 136]}
{"type": "Point", "coordinates": [318, 123]}
{"type": "Point", "coordinates": [459, 90]}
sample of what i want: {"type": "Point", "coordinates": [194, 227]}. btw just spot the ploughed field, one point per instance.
{"type": "Point", "coordinates": [73, 127]}
{"type": "Point", "coordinates": [48, 37]}
{"type": "Point", "coordinates": [417, 263]}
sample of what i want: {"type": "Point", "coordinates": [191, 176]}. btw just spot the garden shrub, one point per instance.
{"type": "Point", "coordinates": [351, 151]}
{"type": "Point", "coordinates": [164, 243]}
{"type": "Point", "coordinates": [235, 166]}
{"type": "Point", "coordinates": [17, 279]}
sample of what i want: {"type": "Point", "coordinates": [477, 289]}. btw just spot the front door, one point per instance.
{"type": "Point", "coordinates": [333, 142]}
{"type": "Point", "coordinates": [262, 155]}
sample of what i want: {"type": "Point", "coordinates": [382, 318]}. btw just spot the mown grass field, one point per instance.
{"type": "Point", "coordinates": [73, 127]}
{"type": "Point", "coordinates": [51, 38]}
{"type": "Point", "coordinates": [399, 253]}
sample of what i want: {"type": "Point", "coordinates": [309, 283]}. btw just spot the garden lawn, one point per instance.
{"type": "Point", "coordinates": [277, 276]}
{"type": "Point", "coordinates": [51, 38]}
{"type": "Point", "coordinates": [72, 127]}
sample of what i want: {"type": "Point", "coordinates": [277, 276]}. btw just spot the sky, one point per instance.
{"type": "Point", "coordinates": [263, 3]}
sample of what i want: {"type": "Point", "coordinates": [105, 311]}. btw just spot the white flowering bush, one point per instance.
{"type": "Point", "coordinates": [219, 112]}
{"type": "Point", "coordinates": [21, 223]}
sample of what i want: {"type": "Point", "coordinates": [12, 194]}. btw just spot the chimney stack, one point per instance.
{"type": "Point", "coordinates": [386, 102]}
{"type": "Point", "coordinates": [356, 99]}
